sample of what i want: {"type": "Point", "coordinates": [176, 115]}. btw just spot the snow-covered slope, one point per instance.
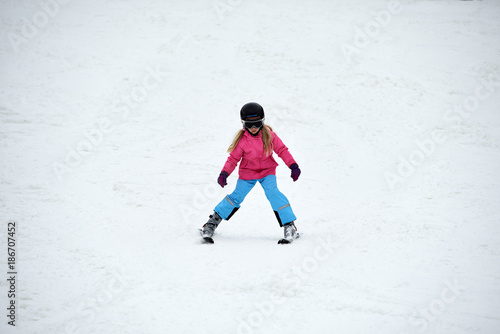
{"type": "Point", "coordinates": [115, 118]}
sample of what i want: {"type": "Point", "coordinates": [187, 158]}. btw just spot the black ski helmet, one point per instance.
{"type": "Point", "coordinates": [251, 109]}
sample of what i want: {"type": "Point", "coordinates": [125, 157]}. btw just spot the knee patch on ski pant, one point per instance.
{"type": "Point", "coordinates": [288, 215]}
{"type": "Point", "coordinates": [278, 218]}
{"type": "Point", "coordinates": [231, 203]}
{"type": "Point", "coordinates": [232, 213]}
{"type": "Point", "coordinates": [226, 208]}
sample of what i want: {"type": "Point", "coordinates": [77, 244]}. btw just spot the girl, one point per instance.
{"type": "Point", "coordinates": [254, 146]}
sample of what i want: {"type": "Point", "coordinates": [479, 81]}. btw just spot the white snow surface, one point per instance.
{"type": "Point", "coordinates": [115, 118]}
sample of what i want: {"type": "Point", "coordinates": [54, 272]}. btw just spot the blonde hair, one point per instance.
{"type": "Point", "coordinates": [266, 139]}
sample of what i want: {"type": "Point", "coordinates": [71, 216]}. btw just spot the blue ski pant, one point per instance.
{"type": "Point", "coordinates": [231, 203]}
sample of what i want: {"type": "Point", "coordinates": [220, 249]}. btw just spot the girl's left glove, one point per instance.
{"type": "Point", "coordinates": [295, 172]}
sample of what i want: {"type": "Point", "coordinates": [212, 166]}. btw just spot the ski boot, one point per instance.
{"type": "Point", "coordinates": [207, 232]}
{"type": "Point", "coordinates": [290, 233]}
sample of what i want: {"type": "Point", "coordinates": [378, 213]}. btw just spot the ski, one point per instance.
{"type": "Point", "coordinates": [207, 240]}
{"type": "Point", "coordinates": [288, 241]}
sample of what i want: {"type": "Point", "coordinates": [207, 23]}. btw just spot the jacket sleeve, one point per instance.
{"type": "Point", "coordinates": [233, 159]}
{"type": "Point", "coordinates": [282, 151]}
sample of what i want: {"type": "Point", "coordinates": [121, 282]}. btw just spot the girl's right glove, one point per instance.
{"type": "Point", "coordinates": [222, 180]}
{"type": "Point", "coordinates": [295, 172]}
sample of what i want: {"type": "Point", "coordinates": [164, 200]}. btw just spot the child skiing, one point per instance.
{"type": "Point", "coordinates": [254, 146]}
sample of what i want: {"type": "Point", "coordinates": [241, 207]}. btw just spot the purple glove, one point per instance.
{"type": "Point", "coordinates": [295, 172]}
{"type": "Point", "coordinates": [222, 179]}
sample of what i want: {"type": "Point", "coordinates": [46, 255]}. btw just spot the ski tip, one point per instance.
{"type": "Point", "coordinates": [207, 240]}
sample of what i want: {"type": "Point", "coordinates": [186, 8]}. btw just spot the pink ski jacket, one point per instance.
{"type": "Point", "coordinates": [254, 163]}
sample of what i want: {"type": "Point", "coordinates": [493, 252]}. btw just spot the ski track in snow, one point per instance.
{"type": "Point", "coordinates": [147, 96]}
